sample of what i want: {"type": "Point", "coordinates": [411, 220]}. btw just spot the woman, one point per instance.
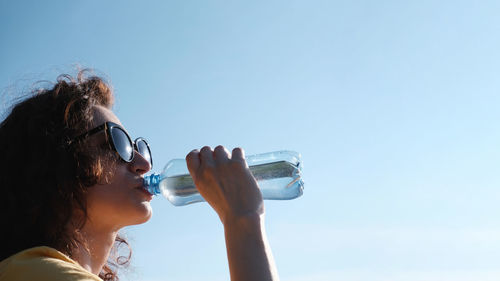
{"type": "Point", "coordinates": [71, 178]}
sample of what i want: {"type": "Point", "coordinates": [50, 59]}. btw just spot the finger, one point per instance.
{"type": "Point", "coordinates": [207, 156]}
{"type": "Point", "coordinates": [193, 161]}
{"type": "Point", "coordinates": [221, 154]}
{"type": "Point", "coordinates": [238, 154]}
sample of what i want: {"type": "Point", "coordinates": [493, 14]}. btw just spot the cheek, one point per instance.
{"type": "Point", "coordinates": [116, 204]}
{"type": "Point", "coordinates": [101, 200]}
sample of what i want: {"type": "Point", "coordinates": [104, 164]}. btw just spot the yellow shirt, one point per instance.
{"type": "Point", "coordinates": [43, 264]}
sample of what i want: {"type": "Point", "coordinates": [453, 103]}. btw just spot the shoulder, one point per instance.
{"type": "Point", "coordinates": [43, 264]}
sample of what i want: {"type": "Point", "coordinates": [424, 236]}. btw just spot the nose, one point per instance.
{"type": "Point", "coordinates": [139, 164]}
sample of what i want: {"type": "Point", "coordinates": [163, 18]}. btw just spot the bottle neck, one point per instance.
{"type": "Point", "coordinates": [152, 184]}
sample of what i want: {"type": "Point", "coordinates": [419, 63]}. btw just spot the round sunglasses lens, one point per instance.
{"type": "Point", "coordinates": [143, 149]}
{"type": "Point", "coordinates": [123, 144]}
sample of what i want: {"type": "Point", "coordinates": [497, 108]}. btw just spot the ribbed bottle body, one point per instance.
{"type": "Point", "coordinates": [277, 173]}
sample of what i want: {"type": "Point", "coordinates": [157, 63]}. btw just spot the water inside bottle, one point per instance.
{"type": "Point", "coordinates": [277, 180]}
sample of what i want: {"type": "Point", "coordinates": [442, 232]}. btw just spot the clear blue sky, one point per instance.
{"type": "Point", "coordinates": [394, 106]}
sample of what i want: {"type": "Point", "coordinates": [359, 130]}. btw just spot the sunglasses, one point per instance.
{"type": "Point", "coordinates": [120, 142]}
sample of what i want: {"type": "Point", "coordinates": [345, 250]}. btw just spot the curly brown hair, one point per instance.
{"type": "Point", "coordinates": [44, 180]}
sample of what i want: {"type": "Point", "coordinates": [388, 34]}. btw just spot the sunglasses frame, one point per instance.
{"type": "Point", "coordinates": [107, 127]}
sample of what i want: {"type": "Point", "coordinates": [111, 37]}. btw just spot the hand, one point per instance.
{"type": "Point", "coordinates": [226, 183]}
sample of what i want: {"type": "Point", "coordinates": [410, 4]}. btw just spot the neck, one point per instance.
{"type": "Point", "coordinates": [92, 253]}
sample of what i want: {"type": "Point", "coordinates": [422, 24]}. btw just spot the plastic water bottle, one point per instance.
{"type": "Point", "coordinates": [277, 173]}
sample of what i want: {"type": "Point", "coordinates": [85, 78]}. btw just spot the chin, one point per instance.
{"type": "Point", "coordinates": [146, 214]}
{"type": "Point", "coordinates": [148, 217]}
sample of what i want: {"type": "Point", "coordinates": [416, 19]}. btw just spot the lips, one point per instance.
{"type": "Point", "coordinates": [144, 191]}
